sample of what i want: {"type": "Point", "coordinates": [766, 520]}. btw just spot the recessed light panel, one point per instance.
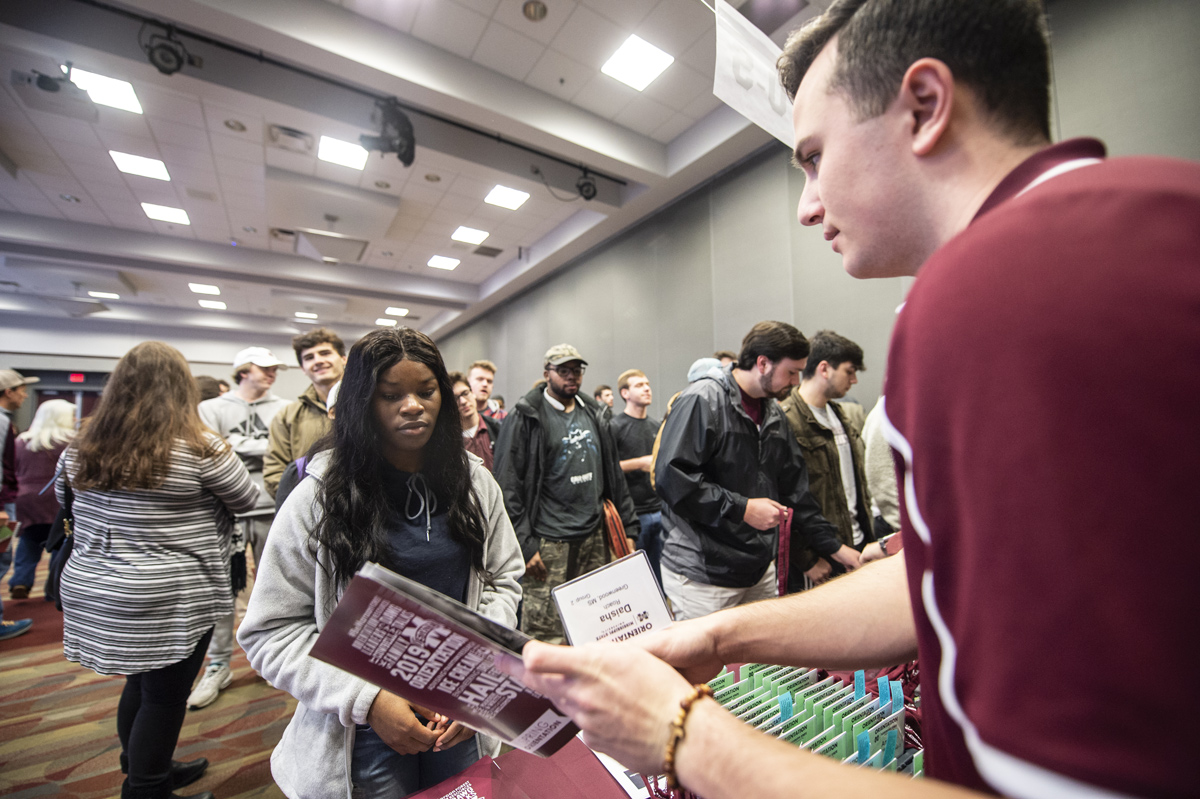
{"type": "Point", "coordinates": [165, 213]}
{"type": "Point", "coordinates": [442, 262]}
{"type": "Point", "coordinates": [213, 305]}
{"type": "Point", "coordinates": [138, 165]}
{"type": "Point", "coordinates": [204, 288]}
{"type": "Point", "coordinates": [336, 151]}
{"type": "Point", "coordinates": [107, 91]}
{"type": "Point", "coordinates": [637, 63]}
{"type": "Point", "coordinates": [104, 295]}
{"type": "Point", "coordinates": [393, 311]}
{"type": "Point", "coordinates": [385, 322]}
{"type": "Point", "coordinates": [503, 196]}
{"type": "Point", "coordinates": [305, 315]}
{"type": "Point", "coordinates": [470, 235]}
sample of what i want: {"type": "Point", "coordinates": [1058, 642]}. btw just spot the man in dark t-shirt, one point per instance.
{"type": "Point", "coordinates": [634, 432]}
{"type": "Point", "coordinates": [557, 463]}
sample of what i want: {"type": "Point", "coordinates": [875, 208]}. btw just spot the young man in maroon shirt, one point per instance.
{"type": "Point", "coordinates": [1036, 487]}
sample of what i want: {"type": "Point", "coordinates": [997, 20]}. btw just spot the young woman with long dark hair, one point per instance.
{"type": "Point", "coordinates": [154, 496]}
{"type": "Point", "coordinates": [392, 485]}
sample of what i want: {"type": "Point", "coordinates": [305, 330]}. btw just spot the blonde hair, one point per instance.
{"type": "Point", "coordinates": [53, 425]}
{"type": "Point", "coordinates": [626, 376]}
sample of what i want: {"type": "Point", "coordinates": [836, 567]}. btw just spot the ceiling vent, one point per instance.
{"type": "Point", "coordinates": [197, 194]}
{"type": "Point", "coordinates": [322, 245]}
{"type": "Point", "coordinates": [488, 252]}
{"type": "Point", "coordinates": [290, 139]}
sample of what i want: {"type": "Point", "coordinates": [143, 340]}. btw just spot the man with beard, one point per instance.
{"type": "Point", "coordinates": [556, 461]}
{"type": "Point", "coordinates": [728, 468]}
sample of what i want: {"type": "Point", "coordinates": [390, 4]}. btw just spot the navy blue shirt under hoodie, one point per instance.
{"type": "Point", "coordinates": [419, 535]}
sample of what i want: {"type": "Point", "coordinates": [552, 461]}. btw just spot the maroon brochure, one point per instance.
{"type": "Point", "coordinates": [439, 654]}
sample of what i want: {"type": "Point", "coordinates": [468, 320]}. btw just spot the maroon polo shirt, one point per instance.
{"type": "Point", "coordinates": [481, 444]}
{"type": "Point", "coordinates": [1041, 398]}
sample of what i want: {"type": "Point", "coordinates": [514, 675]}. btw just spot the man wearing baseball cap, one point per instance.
{"type": "Point", "coordinates": [13, 392]}
{"type": "Point", "coordinates": [556, 461]}
{"type": "Point", "coordinates": [242, 417]}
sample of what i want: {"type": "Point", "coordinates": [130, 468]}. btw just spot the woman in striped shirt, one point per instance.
{"type": "Point", "coordinates": [154, 497]}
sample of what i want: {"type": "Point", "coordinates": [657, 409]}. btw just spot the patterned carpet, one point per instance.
{"type": "Point", "coordinates": [58, 735]}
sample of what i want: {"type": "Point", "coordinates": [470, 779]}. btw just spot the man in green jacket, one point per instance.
{"type": "Point", "coordinates": [833, 451]}
{"type": "Point", "coordinates": [322, 357]}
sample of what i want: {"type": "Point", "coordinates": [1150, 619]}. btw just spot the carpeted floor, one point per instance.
{"type": "Point", "coordinates": [58, 735]}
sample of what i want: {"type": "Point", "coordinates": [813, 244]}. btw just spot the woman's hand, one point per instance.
{"type": "Point", "coordinates": [452, 734]}
{"type": "Point", "coordinates": [397, 725]}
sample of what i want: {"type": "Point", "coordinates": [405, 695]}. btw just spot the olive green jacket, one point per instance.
{"type": "Point", "coordinates": [294, 430]}
{"type": "Point", "coordinates": [825, 474]}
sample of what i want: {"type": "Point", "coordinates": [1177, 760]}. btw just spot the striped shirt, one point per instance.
{"type": "Point", "coordinates": [149, 574]}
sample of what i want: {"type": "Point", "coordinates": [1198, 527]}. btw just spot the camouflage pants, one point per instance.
{"type": "Point", "coordinates": [565, 560]}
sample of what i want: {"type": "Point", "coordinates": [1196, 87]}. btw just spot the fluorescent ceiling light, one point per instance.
{"type": "Point", "coordinates": [107, 91]}
{"type": "Point", "coordinates": [503, 196]}
{"type": "Point", "coordinates": [637, 63]}
{"type": "Point", "coordinates": [104, 295]}
{"type": "Point", "coordinates": [204, 288]}
{"type": "Point", "coordinates": [385, 322]}
{"type": "Point", "coordinates": [393, 311]}
{"type": "Point", "coordinates": [305, 315]}
{"type": "Point", "coordinates": [469, 234]}
{"type": "Point", "coordinates": [336, 151]}
{"type": "Point", "coordinates": [137, 165]}
{"type": "Point", "coordinates": [442, 262]}
{"type": "Point", "coordinates": [165, 213]}
{"type": "Point", "coordinates": [215, 305]}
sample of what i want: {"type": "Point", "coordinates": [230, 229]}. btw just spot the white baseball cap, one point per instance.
{"type": "Point", "coordinates": [259, 356]}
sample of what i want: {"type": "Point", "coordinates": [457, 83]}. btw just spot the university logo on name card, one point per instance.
{"type": "Point", "coordinates": [613, 603]}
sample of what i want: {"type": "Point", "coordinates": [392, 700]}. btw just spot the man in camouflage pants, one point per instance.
{"type": "Point", "coordinates": [557, 463]}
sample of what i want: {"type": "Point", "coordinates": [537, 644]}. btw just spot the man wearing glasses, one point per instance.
{"type": "Point", "coordinates": [557, 462]}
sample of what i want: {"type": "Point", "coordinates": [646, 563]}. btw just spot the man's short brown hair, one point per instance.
{"type": "Point", "coordinates": [481, 364]}
{"type": "Point", "coordinates": [999, 49]}
{"type": "Point", "coordinates": [458, 377]}
{"type": "Point", "coordinates": [775, 340]}
{"type": "Point", "coordinates": [626, 376]}
{"type": "Point", "coordinates": [318, 335]}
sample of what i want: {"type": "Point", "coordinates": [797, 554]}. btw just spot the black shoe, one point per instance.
{"type": "Point", "coordinates": [158, 792]}
{"type": "Point", "coordinates": [205, 795]}
{"type": "Point", "coordinates": [181, 773]}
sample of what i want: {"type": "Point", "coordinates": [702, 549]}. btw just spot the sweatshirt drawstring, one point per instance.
{"type": "Point", "coordinates": [427, 499]}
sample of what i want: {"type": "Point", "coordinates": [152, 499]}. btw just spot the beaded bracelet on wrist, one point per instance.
{"type": "Point", "coordinates": [677, 732]}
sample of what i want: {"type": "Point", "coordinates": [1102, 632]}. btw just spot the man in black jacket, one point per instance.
{"type": "Point", "coordinates": [557, 462]}
{"type": "Point", "coordinates": [728, 467]}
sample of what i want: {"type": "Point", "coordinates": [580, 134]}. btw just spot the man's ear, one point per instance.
{"type": "Point", "coordinates": [763, 364]}
{"type": "Point", "coordinates": [927, 94]}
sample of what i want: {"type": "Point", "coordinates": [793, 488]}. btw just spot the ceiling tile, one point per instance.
{"type": "Point", "coordinates": [589, 38]}
{"type": "Point", "coordinates": [174, 155]}
{"type": "Point", "coordinates": [391, 184]}
{"type": "Point", "coordinates": [246, 188]}
{"type": "Point", "coordinates": [678, 86]}
{"type": "Point", "coordinates": [398, 14]}
{"type": "Point", "coordinates": [293, 162]}
{"type": "Point", "coordinates": [485, 7]}
{"type": "Point", "coordinates": [170, 132]}
{"type": "Point", "coordinates": [54, 184]}
{"type": "Point", "coordinates": [59, 127]}
{"type": "Point", "coordinates": [675, 25]}
{"type": "Point", "coordinates": [626, 13]}
{"type": "Point", "coordinates": [105, 193]}
{"type": "Point", "coordinates": [509, 13]}
{"type": "Point", "coordinates": [667, 132]}
{"type": "Point", "coordinates": [702, 55]}
{"type": "Point", "coordinates": [236, 148]}
{"type": "Point", "coordinates": [27, 138]}
{"type": "Point", "coordinates": [131, 221]}
{"type": "Point", "coordinates": [159, 104]}
{"type": "Point", "coordinates": [604, 96]}
{"type": "Point", "coordinates": [556, 74]}
{"type": "Point", "coordinates": [216, 115]}
{"type": "Point", "coordinates": [39, 208]}
{"type": "Point", "coordinates": [194, 178]}
{"type": "Point", "coordinates": [103, 174]}
{"type": "Point", "coordinates": [644, 115]}
{"type": "Point", "coordinates": [449, 26]}
{"type": "Point", "coordinates": [507, 52]}
{"type": "Point", "coordinates": [120, 121]}
{"type": "Point", "coordinates": [459, 203]}
{"type": "Point", "coordinates": [427, 194]}
{"type": "Point", "coordinates": [125, 143]}
{"type": "Point", "coordinates": [84, 213]}
{"type": "Point", "coordinates": [81, 154]}
{"type": "Point", "coordinates": [702, 106]}
{"type": "Point", "coordinates": [154, 191]}
{"type": "Point", "coordinates": [168, 229]}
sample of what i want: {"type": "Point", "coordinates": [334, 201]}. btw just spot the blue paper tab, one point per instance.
{"type": "Point", "coordinates": [897, 696]}
{"type": "Point", "coordinates": [785, 706]}
{"type": "Point", "coordinates": [885, 695]}
{"type": "Point", "coordinates": [864, 746]}
{"type": "Point", "coordinates": [889, 749]}
{"type": "Point", "coordinates": [860, 684]}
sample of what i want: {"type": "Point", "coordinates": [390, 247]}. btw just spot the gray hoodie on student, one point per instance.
{"type": "Point", "coordinates": [294, 596]}
{"type": "Point", "coordinates": [246, 426]}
